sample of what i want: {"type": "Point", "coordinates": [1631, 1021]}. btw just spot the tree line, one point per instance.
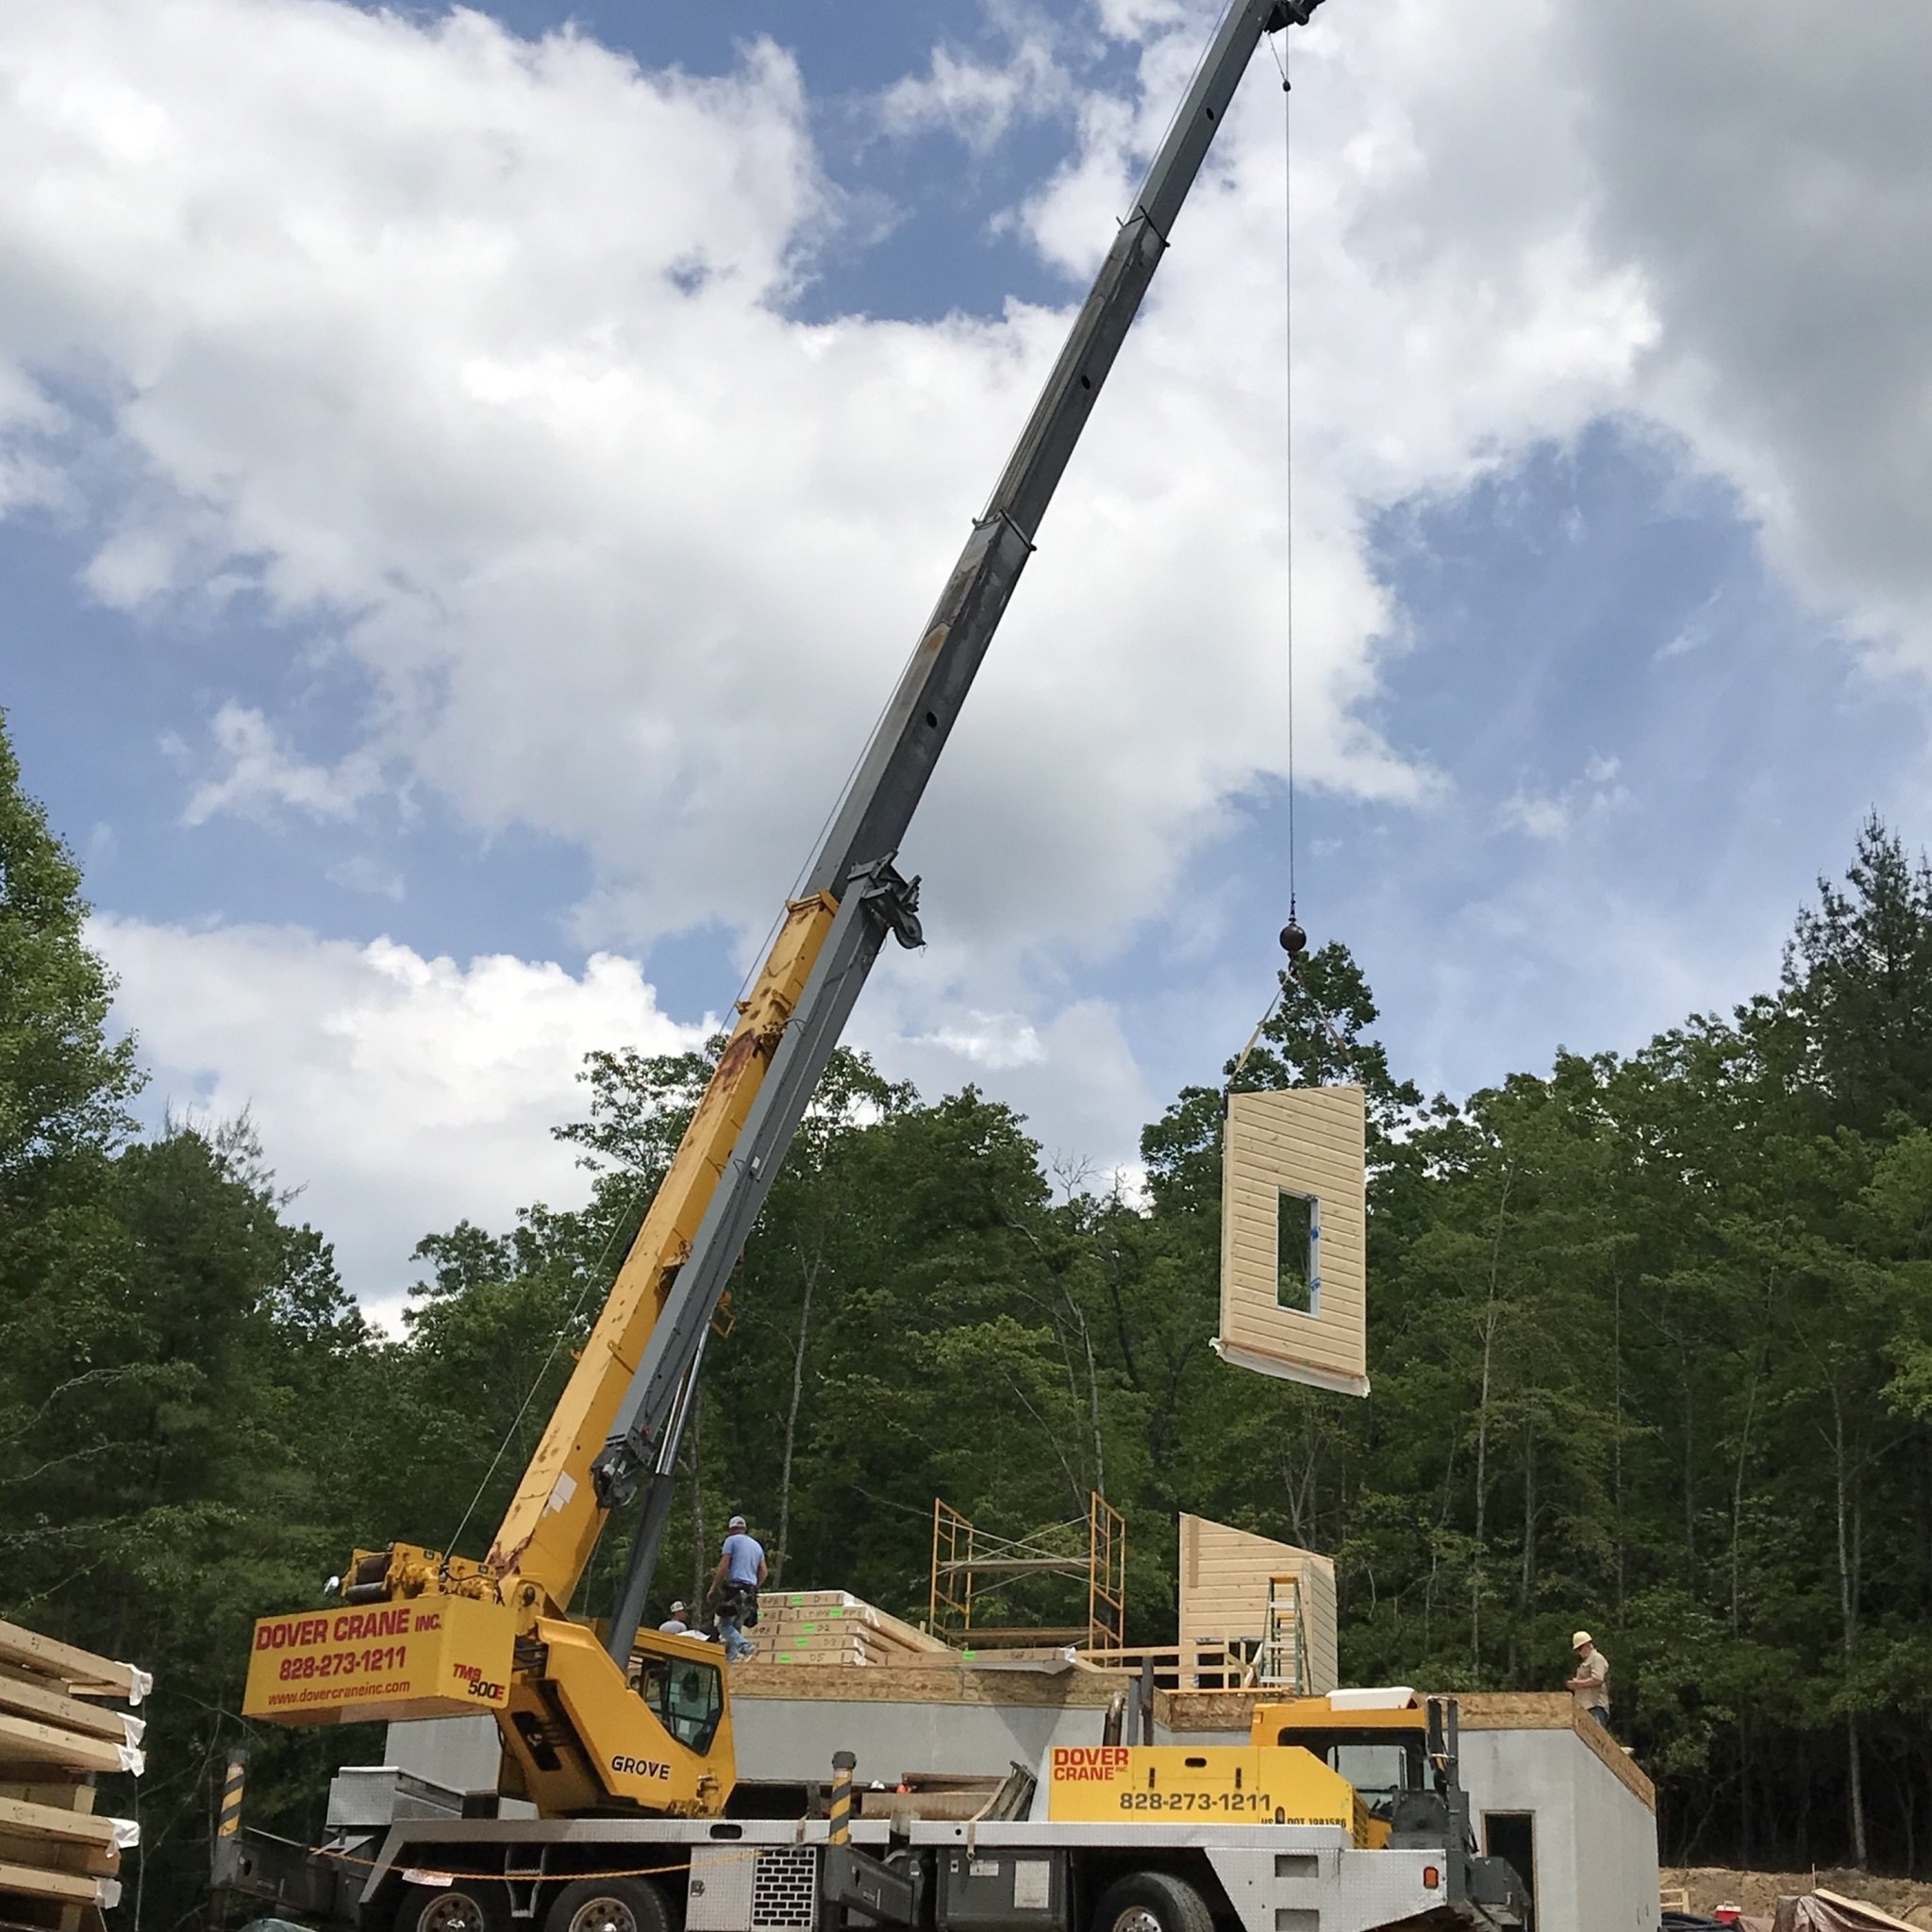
{"type": "Point", "coordinates": [1650, 1339]}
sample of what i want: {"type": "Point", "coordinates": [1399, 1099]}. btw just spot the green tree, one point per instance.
{"type": "Point", "coordinates": [63, 1082]}
{"type": "Point", "coordinates": [1858, 974]}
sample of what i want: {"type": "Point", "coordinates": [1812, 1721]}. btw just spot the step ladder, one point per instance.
{"type": "Point", "coordinates": [1283, 1663]}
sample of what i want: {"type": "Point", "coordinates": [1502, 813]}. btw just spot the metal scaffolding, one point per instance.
{"type": "Point", "coordinates": [970, 1565]}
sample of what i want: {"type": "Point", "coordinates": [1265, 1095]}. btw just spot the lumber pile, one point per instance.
{"type": "Point", "coordinates": [60, 1863]}
{"type": "Point", "coordinates": [831, 1626]}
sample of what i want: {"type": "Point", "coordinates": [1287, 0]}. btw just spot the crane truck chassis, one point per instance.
{"type": "Point", "coordinates": [1111, 1838]}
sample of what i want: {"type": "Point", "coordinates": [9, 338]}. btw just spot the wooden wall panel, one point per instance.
{"type": "Point", "coordinates": [1223, 1593]}
{"type": "Point", "coordinates": [1306, 1141]}
{"type": "Point", "coordinates": [1318, 1593]}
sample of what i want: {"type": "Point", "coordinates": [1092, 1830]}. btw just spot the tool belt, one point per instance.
{"type": "Point", "coordinates": [739, 1602]}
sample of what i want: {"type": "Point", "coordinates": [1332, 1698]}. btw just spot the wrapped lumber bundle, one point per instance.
{"type": "Point", "coordinates": [58, 1860]}
{"type": "Point", "coordinates": [831, 1626]}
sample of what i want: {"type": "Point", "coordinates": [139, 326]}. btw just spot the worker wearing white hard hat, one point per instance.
{"type": "Point", "coordinates": [735, 1586]}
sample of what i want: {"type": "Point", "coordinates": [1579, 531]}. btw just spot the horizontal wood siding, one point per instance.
{"type": "Point", "coordinates": [1224, 1591]}
{"type": "Point", "coordinates": [1318, 1598]}
{"type": "Point", "coordinates": [1308, 1141]}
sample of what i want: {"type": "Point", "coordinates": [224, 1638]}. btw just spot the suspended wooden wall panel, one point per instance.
{"type": "Point", "coordinates": [1296, 1159]}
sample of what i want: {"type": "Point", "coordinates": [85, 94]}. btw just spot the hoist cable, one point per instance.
{"type": "Point", "coordinates": [1292, 939]}
{"type": "Point", "coordinates": [1288, 427]}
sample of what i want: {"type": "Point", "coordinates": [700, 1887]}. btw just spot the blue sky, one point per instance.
{"type": "Point", "coordinates": [458, 515]}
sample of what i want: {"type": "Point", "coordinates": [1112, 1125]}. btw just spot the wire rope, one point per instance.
{"type": "Point", "coordinates": [1278, 45]}
{"type": "Point", "coordinates": [593, 1277]}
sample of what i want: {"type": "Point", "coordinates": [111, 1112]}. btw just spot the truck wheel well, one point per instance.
{"type": "Point", "coordinates": [1102, 1872]}
{"type": "Point", "coordinates": [636, 1903]}
{"type": "Point", "coordinates": [567, 1866]}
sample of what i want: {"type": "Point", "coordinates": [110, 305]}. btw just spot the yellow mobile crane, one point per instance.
{"type": "Point", "coordinates": [622, 1746]}
{"type": "Point", "coordinates": [641, 1723]}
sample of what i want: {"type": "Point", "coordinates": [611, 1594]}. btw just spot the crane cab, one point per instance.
{"type": "Point", "coordinates": [1378, 1741]}
{"type": "Point", "coordinates": [581, 1737]}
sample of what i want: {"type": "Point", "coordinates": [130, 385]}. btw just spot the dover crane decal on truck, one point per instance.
{"type": "Point", "coordinates": [1119, 1784]}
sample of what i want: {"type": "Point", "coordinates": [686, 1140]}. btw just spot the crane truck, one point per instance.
{"type": "Point", "coordinates": [620, 1744]}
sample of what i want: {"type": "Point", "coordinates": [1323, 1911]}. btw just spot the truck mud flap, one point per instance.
{"type": "Point", "coordinates": [852, 1881]}
{"type": "Point", "coordinates": [256, 1865]}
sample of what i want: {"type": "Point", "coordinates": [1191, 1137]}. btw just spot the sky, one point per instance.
{"type": "Point", "coordinates": [469, 478]}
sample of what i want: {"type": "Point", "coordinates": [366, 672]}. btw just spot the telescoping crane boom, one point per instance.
{"type": "Point", "coordinates": [592, 1726]}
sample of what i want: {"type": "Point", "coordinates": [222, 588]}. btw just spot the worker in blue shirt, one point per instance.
{"type": "Point", "coordinates": [735, 1586]}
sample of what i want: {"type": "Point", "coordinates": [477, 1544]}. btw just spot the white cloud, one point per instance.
{"type": "Point", "coordinates": [364, 873]}
{"type": "Point", "coordinates": [27, 417]}
{"type": "Point", "coordinates": [472, 358]}
{"type": "Point", "coordinates": [978, 102]}
{"type": "Point", "coordinates": [1539, 815]}
{"type": "Point", "coordinates": [1775, 182]}
{"type": "Point", "coordinates": [995, 1041]}
{"type": "Point", "coordinates": [1069, 1069]}
{"type": "Point", "coordinates": [259, 774]}
{"type": "Point", "coordinates": [400, 1093]}
{"type": "Point", "coordinates": [377, 320]}
{"type": "Point", "coordinates": [1594, 793]}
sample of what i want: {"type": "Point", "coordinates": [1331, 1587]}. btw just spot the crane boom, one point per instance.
{"type": "Point", "coordinates": [574, 1736]}
{"type": "Point", "coordinates": [855, 864]}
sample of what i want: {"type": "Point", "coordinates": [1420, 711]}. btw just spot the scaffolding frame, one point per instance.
{"type": "Point", "coordinates": [969, 1562]}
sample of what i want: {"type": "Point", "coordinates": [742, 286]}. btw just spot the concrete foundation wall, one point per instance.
{"type": "Point", "coordinates": [1596, 1868]}
{"type": "Point", "coordinates": [459, 1753]}
{"type": "Point", "coordinates": [1596, 1841]}
{"type": "Point", "coordinates": [788, 1742]}
{"type": "Point", "coordinates": [784, 1741]}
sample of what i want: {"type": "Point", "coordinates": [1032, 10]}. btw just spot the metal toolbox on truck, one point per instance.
{"type": "Point", "coordinates": [988, 1890]}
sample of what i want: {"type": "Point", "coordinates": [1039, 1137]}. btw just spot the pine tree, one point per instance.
{"type": "Point", "coordinates": [1858, 969]}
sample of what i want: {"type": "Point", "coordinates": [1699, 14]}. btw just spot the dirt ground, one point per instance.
{"type": "Point", "coordinates": [1758, 1892]}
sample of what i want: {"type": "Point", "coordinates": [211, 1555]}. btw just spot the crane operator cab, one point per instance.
{"type": "Point", "coordinates": [686, 1694]}
{"type": "Point", "coordinates": [1399, 1752]}
{"type": "Point", "coordinates": [577, 1745]}
{"type": "Point", "coordinates": [1376, 1739]}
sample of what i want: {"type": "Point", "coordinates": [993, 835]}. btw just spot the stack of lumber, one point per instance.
{"type": "Point", "coordinates": [828, 1626]}
{"type": "Point", "coordinates": [58, 1860]}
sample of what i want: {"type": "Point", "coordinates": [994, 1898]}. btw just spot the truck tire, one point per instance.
{"type": "Point", "coordinates": [1152, 1902]}
{"type": "Point", "coordinates": [608, 1904]}
{"type": "Point", "coordinates": [460, 1908]}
